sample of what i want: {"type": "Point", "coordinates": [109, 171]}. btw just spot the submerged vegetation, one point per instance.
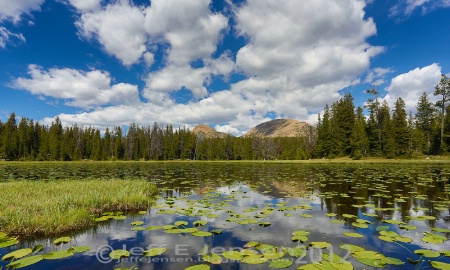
{"type": "Point", "coordinates": [34, 208]}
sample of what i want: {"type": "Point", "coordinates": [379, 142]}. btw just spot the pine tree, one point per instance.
{"type": "Point", "coordinates": [442, 89]}
{"type": "Point", "coordinates": [425, 116]}
{"type": "Point", "coordinates": [344, 120]}
{"type": "Point", "coordinates": [358, 139]}
{"type": "Point", "coordinates": [55, 139]}
{"type": "Point", "coordinates": [388, 146]}
{"type": "Point", "coordinates": [400, 125]}
{"type": "Point", "coordinates": [374, 123]}
{"type": "Point", "coordinates": [10, 142]}
{"type": "Point", "coordinates": [323, 147]}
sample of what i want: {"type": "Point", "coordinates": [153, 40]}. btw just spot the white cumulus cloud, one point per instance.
{"type": "Point", "coordinates": [119, 28]}
{"type": "Point", "coordinates": [14, 9]}
{"type": "Point", "coordinates": [78, 88]}
{"type": "Point", "coordinates": [410, 86]}
{"type": "Point", "coordinates": [86, 5]}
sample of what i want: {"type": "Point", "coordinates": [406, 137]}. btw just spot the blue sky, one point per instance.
{"type": "Point", "coordinates": [231, 64]}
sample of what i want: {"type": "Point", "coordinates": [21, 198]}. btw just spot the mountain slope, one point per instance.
{"type": "Point", "coordinates": [208, 132]}
{"type": "Point", "coordinates": [279, 128]}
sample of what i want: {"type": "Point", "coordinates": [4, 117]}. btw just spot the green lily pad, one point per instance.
{"type": "Point", "coordinates": [372, 262]}
{"type": "Point", "coordinates": [17, 254]}
{"type": "Point", "coordinates": [181, 223]}
{"type": "Point", "coordinates": [440, 265]}
{"type": "Point", "coordinates": [212, 258]}
{"type": "Point", "coordinates": [216, 231]}
{"type": "Point", "coordinates": [319, 244]}
{"type": "Point", "coordinates": [441, 230]}
{"type": "Point", "coordinates": [393, 261]}
{"type": "Point", "coordinates": [198, 267]}
{"type": "Point", "coordinates": [119, 217]}
{"type": "Point", "coordinates": [427, 253]}
{"type": "Point", "coordinates": [79, 249]}
{"type": "Point", "coordinates": [202, 234]}
{"type": "Point", "coordinates": [154, 252]}
{"type": "Point", "coordinates": [154, 228]}
{"type": "Point", "coordinates": [9, 242]}
{"type": "Point", "coordinates": [62, 240]}
{"type": "Point", "coordinates": [254, 259]}
{"type": "Point", "coordinates": [251, 244]}
{"type": "Point", "coordinates": [25, 262]}
{"type": "Point", "coordinates": [297, 251]}
{"type": "Point", "coordinates": [354, 235]}
{"type": "Point", "coordinates": [200, 222]}
{"type": "Point", "coordinates": [351, 248]}
{"type": "Point", "coordinates": [407, 227]}
{"type": "Point", "coordinates": [232, 255]}
{"type": "Point", "coordinates": [280, 263]}
{"type": "Point", "coordinates": [119, 253]}
{"type": "Point", "coordinates": [395, 222]}
{"type": "Point", "coordinates": [56, 255]}
{"type": "Point", "coordinates": [137, 223]}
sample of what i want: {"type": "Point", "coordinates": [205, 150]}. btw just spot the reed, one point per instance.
{"type": "Point", "coordinates": [35, 208]}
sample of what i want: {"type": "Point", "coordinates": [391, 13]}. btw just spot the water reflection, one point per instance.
{"type": "Point", "coordinates": [390, 192]}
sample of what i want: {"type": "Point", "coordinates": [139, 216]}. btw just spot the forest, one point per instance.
{"type": "Point", "coordinates": [341, 131]}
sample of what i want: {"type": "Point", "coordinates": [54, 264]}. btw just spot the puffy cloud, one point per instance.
{"type": "Point", "coordinates": [78, 88]}
{"type": "Point", "coordinates": [298, 57]}
{"type": "Point", "coordinates": [310, 60]}
{"type": "Point", "coordinates": [410, 86]}
{"type": "Point", "coordinates": [190, 28]}
{"type": "Point", "coordinates": [13, 10]}
{"type": "Point", "coordinates": [6, 36]}
{"type": "Point", "coordinates": [86, 5]}
{"type": "Point", "coordinates": [119, 28]}
{"type": "Point", "coordinates": [407, 7]}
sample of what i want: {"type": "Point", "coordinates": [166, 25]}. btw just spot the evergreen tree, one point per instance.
{"type": "Point", "coordinates": [10, 142]}
{"type": "Point", "coordinates": [344, 118]}
{"type": "Point", "coordinates": [425, 116]}
{"type": "Point", "coordinates": [388, 145]}
{"type": "Point", "coordinates": [55, 139]}
{"type": "Point", "coordinates": [358, 139]}
{"type": "Point", "coordinates": [400, 125]}
{"type": "Point", "coordinates": [374, 123]}
{"type": "Point", "coordinates": [442, 89]}
{"type": "Point", "coordinates": [323, 147]}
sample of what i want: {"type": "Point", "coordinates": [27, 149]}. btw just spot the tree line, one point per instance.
{"type": "Point", "coordinates": [344, 131]}
{"type": "Point", "coordinates": [30, 140]}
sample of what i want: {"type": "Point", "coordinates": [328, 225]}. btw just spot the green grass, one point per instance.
{"type": "Point", "coordinates": [35, 208]}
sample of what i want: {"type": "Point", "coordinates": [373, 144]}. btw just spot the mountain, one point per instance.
{"type": "Point", "coordinates": [208, 132]}
{"type": "Point", "coordinates": [279, 128]}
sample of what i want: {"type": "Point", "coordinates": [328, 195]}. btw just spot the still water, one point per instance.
{"type": "Point", "coordinates": [365, 205]}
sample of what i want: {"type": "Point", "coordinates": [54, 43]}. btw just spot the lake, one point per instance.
{"type": "Point", "coordinates": [262, 216]}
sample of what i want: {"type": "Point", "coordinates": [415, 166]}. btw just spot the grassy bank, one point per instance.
{"type": "Point", "coordinates": [51, 207]}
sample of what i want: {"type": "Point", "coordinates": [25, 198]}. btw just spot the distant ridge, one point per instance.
{"type": "Point", "coordinates": [279, 128]}
{"type": "Point", "coordinates": [208, 132]}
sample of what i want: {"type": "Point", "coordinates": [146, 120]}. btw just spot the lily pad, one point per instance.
{"type": "Point", "coordinates": [154, 252]}
{"type": "Point", "coordinates": [198, 267]}
{"type": "Point", "coordinates": [17, 254]}
{"type": "Point", "coordinates": [56, 255]}
{"type": "Point", "coordinates": [119, 253]}
{"type": "Point", "coordinates": [202, 234]}
{"type": "Point", "coordinates": [232, 255]}
{"type": "Point", "coordinates": [25, 262]}
{"type": "Point", "coordinates": [62, 240]}
{"type": "Point", "coordinates": [427, 253]}
{"type": "Point", "coordinates": [280, 263]}
{"type": "Point", "coordinates": [354, 235]}
{"type": "Point", "coordinates": [212, 258]}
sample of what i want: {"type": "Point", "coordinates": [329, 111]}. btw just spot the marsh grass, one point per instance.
{"type": "Point", "coordinates": [33, 208]}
